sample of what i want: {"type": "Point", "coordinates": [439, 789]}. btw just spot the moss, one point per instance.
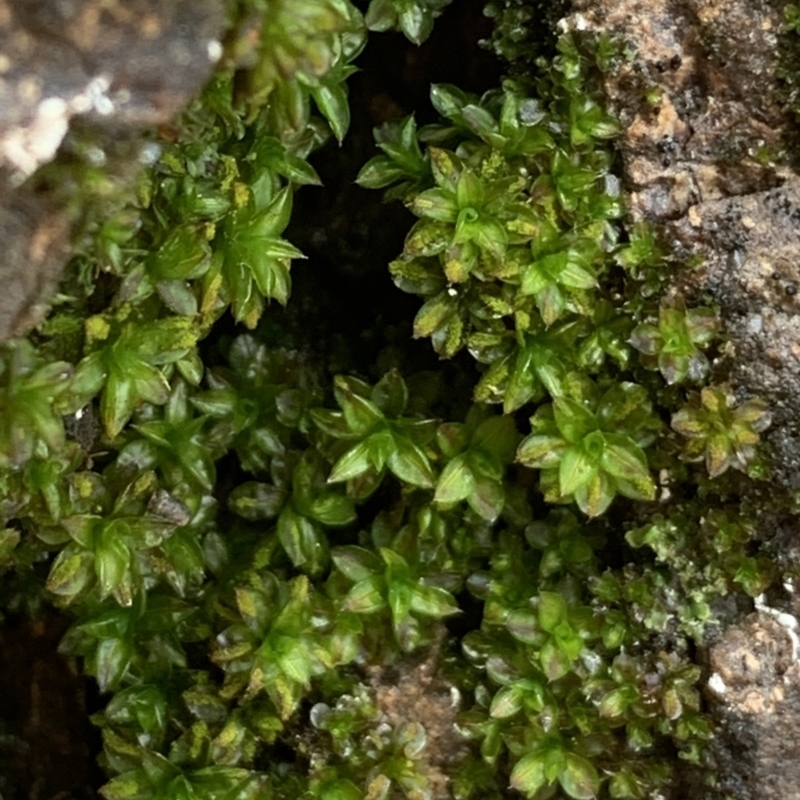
{"type": "Point", "coordinates": [251, 552]}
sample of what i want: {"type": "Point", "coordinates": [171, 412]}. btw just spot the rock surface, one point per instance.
{"type": "Point", "coordinates": [127, 64]}
{"type": "Point", "coordinates": [122, 66]}
{"type": "Point", "coordinates": [703, 156]}
{"type": "Point", "coordinates": [754, 691]}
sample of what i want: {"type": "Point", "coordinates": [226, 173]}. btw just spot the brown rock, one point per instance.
{"type": "Point", "coordinates": [704, 157]}
{"type": "Point", "coordinates": [755, 691]}
{"type": "Point", "coordinates": [708, 63]}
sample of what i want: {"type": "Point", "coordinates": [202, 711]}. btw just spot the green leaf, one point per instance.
{"type": "Point", "coordinates": [380, 445]}
{"type": "Point", "coordinates": [379, 172]}
{"type": "Point", "coordinates": [117, 403]}
{"type": "Point", "coordinates": [625, 460]}
{"type": "Point", "coordinates": [574, 420]}
{"type": "Point", "coordinates": [719, 454]}
{"type": "Point", "coordinates": [362, 415]}
{"type": "Point", "coordinates": [133, 785]}
{"type": "Point", "coordinates": [302, 540]}
{"type": "Point", "coordinates": [579, 778]}
{"type": "Point", "coordinates": [434, 313]}
{"type": "Point", "coordinates": [341, 789]}
{"type": "Point", "coordinates": [400, 598]}
{"type": "Point", "coordinates": [71, 573]}
{"type": "Point", "coordinates": [298, 170]}
{"type": "Point", "coordinates": [333, 509]}
{"type": "Point", "coordinates": [356, 563]}
{"type": "Point", "coordinates": [390, 394]}
{"type": "Point", "coordinates": [149, 382]}
{"type": "Point", "coordinates": [366, 597]}
{"type": "Point", "coordinates": [595, 496]}
{"type": "Point", "coordinates": [488, 498]}
{"type": "Point", "coordinates": [353, 463]}
{"type": "Point", "coordinates": [294, 660]}
{"type": "Point", "coordinates": [528, 775]}
{"type": "Point", "coordinates": [331, 99]}
{"type": "Point", "coordinates": [482, 123]}
{"type": "Point", "coordinates": [381, 15]}
{"type": "Point", "coordinates": [448, 100]}
{"type": "Point", "coordinates": [456, 482]}
{"type": "Point", "coordinates": [615, 702]}
{"type": "Point", "coordinates": [506, 702]}
{"type": "Point", "coordinates": [555, 662]}
{"type": "Point", "coordinates": [438, 204]}
{"type": "Point", "coordinates": [469, 190]}
{"type": "Point", "coordinates": [415, 21]}
{"type": "Point", "coordinates": [409, 463]}
{"type": "Point", "coordinates": [9, 539]}
{"type": "Point", "coordinates": [575, 469]}
{"type": "Point", "coordinates": [498, 437]}
{"type": "Point", "coordinates": [427, 238]}
{"type": "Point", "coordinates": [111, 662]}
{"type": "Point", "coordinates": [689, 422]}
{"type": "Point", "coordinates": [431, 601]}
{"type": "Point", "coordinates": [577, 276]}
{"type": "Point", "coordinates": [256, 501]}
{"type": "Point", "coordinates": [112, 563]}
{"type": "Point", "coordinates": [542, 452]}
{"type": "Point", "coordinates": [552, 611]}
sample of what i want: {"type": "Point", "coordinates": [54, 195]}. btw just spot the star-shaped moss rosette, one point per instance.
{"type": "Point", "coordinates": [673, 345]}
{"type": "Point", "coordinates": [370, 435]}
{"type": "Point", "coordinates": [720, 432]}
{"type": "Point", "coordinates": [464, 215]}
{"type": "Point", "coordinates": [29, 390]}
{"type": "Point", "coordinates": [413, 17]}
{"type": "Point", "coordinates": [590, 449]}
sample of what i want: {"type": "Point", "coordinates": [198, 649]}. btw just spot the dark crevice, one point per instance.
{"type": "Point", "coordinates": [344, 307]}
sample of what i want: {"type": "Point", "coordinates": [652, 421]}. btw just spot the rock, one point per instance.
{"type": "Point", "coordinates": [35, 238]}
{"type": "Point", "coordinates": [754, 690]}
{"type": "Point", "coordinates": [125, 64]}
{"type": "Point", "coordinates": [697, 121]}
{"type": "Point", "coordinates": [703, 156]}
{"type": "Point", "coordinates": [122, 66]}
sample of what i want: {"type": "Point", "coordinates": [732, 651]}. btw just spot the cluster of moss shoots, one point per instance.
{"type": "Point", "coordinates": [537, 546]}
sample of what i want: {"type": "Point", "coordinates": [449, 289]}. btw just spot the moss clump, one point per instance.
{"type": "Point", "coordinates": [249, 551]}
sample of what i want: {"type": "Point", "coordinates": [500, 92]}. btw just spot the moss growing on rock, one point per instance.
{"type": "Point", "coordinates": [251, 551]}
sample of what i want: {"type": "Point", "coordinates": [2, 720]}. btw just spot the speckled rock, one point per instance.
{"type": "Point", "coordinates": [127, 64]}
{"type": "Point", "coordinates": [698, 123]}
{"type": "Point", "coordinates": [122, 66]}
{"type": "Point", "coordinates": [754, 689]}
{"type": "Point", "coordinates": [704, 156]}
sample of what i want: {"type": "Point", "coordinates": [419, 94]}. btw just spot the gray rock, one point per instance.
{"type": "Point", "coordinates": [122, 66]}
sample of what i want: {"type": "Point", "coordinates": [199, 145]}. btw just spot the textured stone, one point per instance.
{"type": "Point", "coordinates": [703, 155]}
{"type": "Point", "coordinates": [125, 64]}
{"type": "Point", "coordinates": [122, 66]}
{"type": "Point", "coordinates": [754, 691]}
{"type": "Point", "coordinates": [705, 64]}
{"type": "Point", "coordinates": [704, 158]}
